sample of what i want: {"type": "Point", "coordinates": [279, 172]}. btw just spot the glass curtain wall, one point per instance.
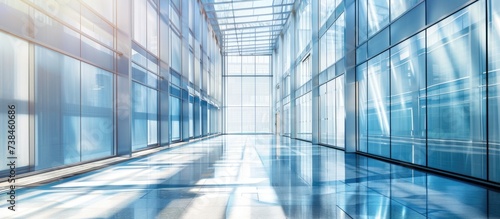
{"type": "Point", "coordinates": [81, 128]}
{"type": "Point", "coordinates": [248, 94]}
{"type": "Point", "coordinates": [424, 101]}
{"type": "Point", "coordinates": [14, 57]}
{"type": "Point", "coordinates": [63, 69]}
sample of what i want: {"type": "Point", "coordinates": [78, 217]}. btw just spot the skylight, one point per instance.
{"type": "Point", "coordinates": [247, 27]}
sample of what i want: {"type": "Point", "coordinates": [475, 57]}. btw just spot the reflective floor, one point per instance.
{"type": "Point", "coordinates": [255, 177]}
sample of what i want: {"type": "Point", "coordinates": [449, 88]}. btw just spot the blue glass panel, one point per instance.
{"type": "Point", "coordinates": [57, 109]}
{"type": "Point", "coordinates": [139, 74]}
{"type": "Point", "coordinates": [398, 7]}
{"type": "Point", "coordinates": [378, 15]}
{"type": "Point", "coordinates": [437, 9]}
{"type": "Point", "coordinates": [14, 90]}
{"type": "Point", "coordinates": [139, 116]}
{"type": "Point", "coordinates": [362, 53]}
{"type": "Point", "coordinates": [152, 116]}
{"type": "Point", "coordinates": [362, 21]}
{"type": "Point", "coordinates": [97, 113]}
{"type": "Point", "coordinates": [408, 24]}
{"type": "Point", "coordinates": [361, 78]}
{"type": "Point", "coordinates": [378, 105]}
{"type": "Point", "coordinates": [175, 118]}
{"type": "Point", "coordinates": [456, 93]}
{"type": "Point", "coordinates": [378, 43]}
{"type": "Point", "coordinates": [408, 133]}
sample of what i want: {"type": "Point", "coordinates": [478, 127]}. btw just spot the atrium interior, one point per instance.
{"type": "Point", "coordinates": [249, 109]}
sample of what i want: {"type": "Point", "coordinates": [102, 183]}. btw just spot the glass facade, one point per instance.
{"type": "Point", "coordinates": [412, 81]}
{"type": "Point", "coordinates": [247, 94]}
{"type": "Point", "coordinates": [86, 83]}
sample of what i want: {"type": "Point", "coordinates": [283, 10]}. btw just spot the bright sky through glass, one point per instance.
{"type": "Point", "coordinates": [247, 27]}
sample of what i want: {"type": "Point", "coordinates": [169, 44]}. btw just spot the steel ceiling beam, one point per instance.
{"type": "Point", "coordinates": [249, 8]}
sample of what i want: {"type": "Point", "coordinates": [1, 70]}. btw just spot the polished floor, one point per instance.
{"type": "Point", "coordinates": [255, 177]}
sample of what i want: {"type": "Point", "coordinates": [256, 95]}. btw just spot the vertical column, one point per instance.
{"type": "Point", "coordinates": [315, 71]}
{"type": "Point", "coordinates": [350, 96]}
{"type": "Point", "coordinates": [293, 124]}
{"type": "Point", "coordinates": [123, 78]}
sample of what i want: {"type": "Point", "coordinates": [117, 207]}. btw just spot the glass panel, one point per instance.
{"type": "Point", "coordinates": [233, 119]}
{"type": "Point", "coordinates": [175, 118]}
{"type": "Point", "coordinates": [456, 93]}
{"type": "Point", "coordinates": [494, 91]}
{"type": "Point", "coordinates": [361, 78]}
{"type": "Point", "coordinates": [104, 8]}
{"type": "Point", "coordinates": [248, 91]}
{"type": "Point", "coordinates": [408, 132]}
{"type": "Point", "coordinates": [152, 116]}
{"type": "Point", "coordinates": [323, 116]}
{"type": "Point", "coordinates": [327, 8]}
{"type": "Point", "coordinates": [152, 27]}
{"type": "Point", "coordinates": [97, 113]}
{"type": "Point", "coordinates": [262, 91]}
{"type": "Point", "coordinates": [233, 91]}
{"type": "Point", "coordinates": [340, 112]}
{"type": "Point", "coordinates": [57, 129]}
{"type": "Point", "coordinates": [139, 116]}
{"type": "Point", "coordinates": [378, 105]}
{"type": "Point", "coordinates": [398, 7]}
{"type": "Point", "coordinates": [176, 53]}
{"type": "Point", "coordinates": [378, 15]}
{"type": "Point", "coordinates": [14, 90]}
{"type": "Point", "coordinates": [140, 14]}
{"type": "Point", "coordinates": [191, 120]}
{"type": "Point", "coordinates": [362, 21]}
{"type": "Point", "coordinates": [331, 42]}
{"type": "Point", "coordinates": [331, 104]}
{"type": "Point", "coordinates": [248, 120]}
{"type": "Point", "coordinates": [339, 37]}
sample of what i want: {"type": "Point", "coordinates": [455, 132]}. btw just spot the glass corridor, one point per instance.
{"type": "Point", "coordinates": [256, 176]}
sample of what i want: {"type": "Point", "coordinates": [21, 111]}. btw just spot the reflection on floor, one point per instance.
{"type": "Point", "coordinates": [255, 177]}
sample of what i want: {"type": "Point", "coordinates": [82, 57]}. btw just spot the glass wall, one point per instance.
{"type": "Point", "coordinates": [14, 68]}
{"type": "Point", "coordinates": [332, 112]}
{"type": "Point", "coordinates": [456, 98]}
{"type": "Point", "coordinates": [248, 94]}
{"type": "Point", "coordinates": [175, 118]}
{"type": "Point", "coordinates": [144, 116]}
{"type": "Point", "coordinates": [85, 78]}
{"type": "Point", "coordinates": [303, 117]}
{"type": "Point", "coordinates": [432, 109]}
{"type": "Point", "coordinates": [420, 81]}
{"type": "Point", "coordinates": [81, 127]}
{"type": "Point", "coordinates": [408, 102]}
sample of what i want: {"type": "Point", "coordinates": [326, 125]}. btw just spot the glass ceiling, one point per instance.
{"type": "Point", "coordinates": [247, 27]}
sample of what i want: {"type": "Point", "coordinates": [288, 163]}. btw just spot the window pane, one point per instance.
{"type": "Point", "coordinates": [175, 118]}
{"type": "Point", "coordinates": [456, 94]}
{"type": "Point", "coordinates": [97, 112]}
{"type": "Point", "coordinates": [340, 112]}
{"type": "Point", "coordinates": [140, 14]}
{"type": "Point", "coordinates": [57, 131]}
{"type": "Point", "coordinates": [398, 7]}
{"type": "Point", "coordinates": [14, 90]}
{"type": "Point", "coordinates": [139, 116]}
{"type": "Point", "coordinates": [361, 78]}
{"type": "Point", "coordinates": [408, 100]}
{"type": "Point", "coordinates": [378, 105]}
{"type": "Point", "coordinates": [378, 15]}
